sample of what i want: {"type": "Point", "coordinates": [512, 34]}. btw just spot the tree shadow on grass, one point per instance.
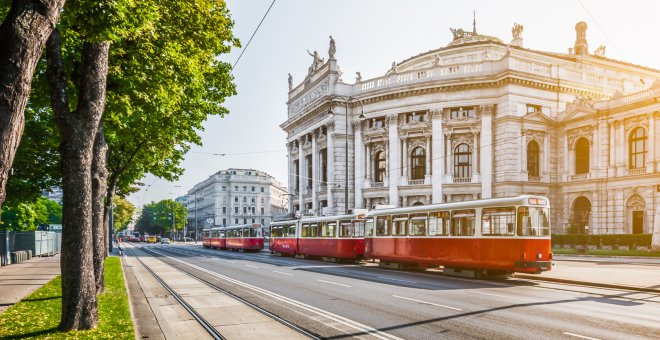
{"type": "Point", "coordinates": [30, 335]}
{"type": "Point", "coordinates": [42, 299]}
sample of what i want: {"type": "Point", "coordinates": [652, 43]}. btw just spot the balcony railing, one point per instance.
{"type": "Point", "coordinates": [415, 181]}
{"type": "Point", "coordinates": [534, 179]}
{"type": "Point", "coordinates": [579, 177]}
{"type": "Point", "coordinates": [462, 179]}
{"type": "Point", "coordinates": [377, 184]}
{"type": "Point", "coordinates": [638, 171]}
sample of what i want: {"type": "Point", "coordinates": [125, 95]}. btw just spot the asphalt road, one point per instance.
{"type": "Point", "coordinates": [344, 300]}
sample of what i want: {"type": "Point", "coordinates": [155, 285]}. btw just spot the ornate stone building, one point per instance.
{"type": "Point", "coordinates": [481, 118]}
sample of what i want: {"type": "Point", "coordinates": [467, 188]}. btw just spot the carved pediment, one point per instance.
{"type": "Point", "coordinates": [463, 138]}
{"type": "Point", "coordinates": [583, 131]}
{"type": "Point", "coordinates": [636, 121]}
{"type": "Point", "coordinates": [535, 135]}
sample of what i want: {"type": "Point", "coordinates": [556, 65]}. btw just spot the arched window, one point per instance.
{"type": "Point", "coordinates": [462, 161]}
{"type": "Point", "coordinates": [379, 167]}
{"type": "Point", "coordinates": [533, 159]}
{"type": "Point", "coordinates": [581, 215]}
{"type": "Point", "coordinates": [581, 156]}
{"type": "Point", "coordinates": [418, 158]}
{"type": "Point", "coordinates": [637, 148]}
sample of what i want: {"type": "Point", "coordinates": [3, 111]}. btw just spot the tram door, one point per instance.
{"type": "Point", "coordinates": [638, 222]}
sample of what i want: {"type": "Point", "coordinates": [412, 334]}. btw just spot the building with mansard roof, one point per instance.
{"type": "Point", "coordinates": [482, 118]}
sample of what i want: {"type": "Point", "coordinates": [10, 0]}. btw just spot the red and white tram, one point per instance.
{"type": "Point", "coordinates": [489, 236]}
{"type": "Point", "coordinates": [333, 237]}
{"type": "Point", "coordinates": [248, 237]}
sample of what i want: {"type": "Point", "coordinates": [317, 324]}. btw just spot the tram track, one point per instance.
{"type": "Point", "coordinates": [238, 298]}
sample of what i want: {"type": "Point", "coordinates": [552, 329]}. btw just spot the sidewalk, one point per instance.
{"type": "Point", "coordinates": [644, 277]}
{"type": "Point", "coordinates": [19, 280]}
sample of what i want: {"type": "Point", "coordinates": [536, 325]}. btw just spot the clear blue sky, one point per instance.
{"type": "Point", "coordinates": [370, 35]}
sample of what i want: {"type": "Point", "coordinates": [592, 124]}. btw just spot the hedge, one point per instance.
{"type": "Point", "coordinates": [620, 240]}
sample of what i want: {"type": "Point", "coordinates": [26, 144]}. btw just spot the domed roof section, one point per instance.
{"type": "Point", "coordinates": [466, 39]}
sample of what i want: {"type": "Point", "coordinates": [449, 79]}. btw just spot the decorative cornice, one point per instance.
{"type": "Point", "coordinates": [577, 133]}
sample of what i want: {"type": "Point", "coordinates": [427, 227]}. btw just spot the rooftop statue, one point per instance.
{"type": "Point", "coordinates": [457, 32]}
{"type": "Point", "coordinates": [316, 63]}
{"type": "Point", "coordinates": [332, 49]}
{"type": "Point", "coordinates": [290, 82]}
{"type": "Point", "coordinates": [517, 30]}
{"type": "Point", "coordinates": [600, 51]}
{"type": "Point", "coordinates": [358, 77]}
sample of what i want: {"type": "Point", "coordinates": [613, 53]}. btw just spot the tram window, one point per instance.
{"type": "Point", "coordinates": [462, 222]}
{"type": "Point", "coordinates": [313, 230]}
{"type": "Point", "coordinates": [369, 227]}
{"type": "Point", "coordinates": [498, 221]}
{"type": "Point", "coordinates": [291, 231]}
{"type": "Point", "coordinates": [256, 232]}
{"type": "Point", "coordinates": [323, 229]}
{"type": "Point", "coordinates": [345, 229]}
{"type": "Point", "coordinates": [275, 231]}
{"type": "Point", "coordinates": [358, 228]}
{"type": "Point", "coordinates": [305, 230]}
{"type": "Point", "coordinates": [533, 221]}
{"type": "Point", "coordinates": [400, 225]}
{"type": "Point", "coordinates": [418, 224]}
{"type": "Point", "coordinates": [383, 225]}
{"type": "Point", "coordinates": [332, 229]}
{"type": "Point", "coordinates": [246, 232]}
{"type": "Point", "coordinates": [222, 234]}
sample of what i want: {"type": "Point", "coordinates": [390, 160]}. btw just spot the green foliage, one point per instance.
{"type": "Point", "coordinates": [122, 212]}
{"type": "Point", "coordinates": [156, 217]}
{"type": "Point", "coordinates": [38, 315]}
{"type": "Point", "coordinates": [162, 85]}
{"type": "Point", "coordinates": [621, 240]}
{"type": "Point", "coordinates": [54, 211]}
{"type": "Point", "coordinates": [28, 216]}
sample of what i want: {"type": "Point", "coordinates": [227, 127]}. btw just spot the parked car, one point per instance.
{"type": "Point", "coordinates": [165, 240]}
{"type": "Point", "coordinates": [189, 239]}
{"type": "Point", "coordinates": [151, 239]}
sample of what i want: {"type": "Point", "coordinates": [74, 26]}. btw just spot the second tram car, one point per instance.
{"type": "Point", "coordinates": [489, 236]}
{"type": "Point", "coordinates": [338, 237]}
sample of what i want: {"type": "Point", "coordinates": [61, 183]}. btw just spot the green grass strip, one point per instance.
{"type": "Point", "coordinates": [38, 315]}
{"type": "Point", "coordinates": [605, 252]}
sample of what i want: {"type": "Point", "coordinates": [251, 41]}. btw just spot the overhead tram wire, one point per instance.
{"type": "Point", "coordinates": [253, 34]}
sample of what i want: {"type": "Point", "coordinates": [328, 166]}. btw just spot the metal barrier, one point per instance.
{"type": "Point", "coordinates": [34, 243]}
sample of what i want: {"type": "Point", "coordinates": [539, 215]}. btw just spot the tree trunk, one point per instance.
{"type": "Point", "coordinates": [99, 231]}
{"type": "Point", "coordinates": [109, 196]}
{"type": "Point", "coordinates": [22, 36]}
{"type": "Point", "coordinates": [78, 131]}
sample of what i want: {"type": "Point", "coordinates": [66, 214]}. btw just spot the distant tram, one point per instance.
{"type": "Point", "coordinates": [338, 237]}
{"type": "Point", "coordinates": [489, 236]}
{"type": "Point", "coordinates": [248, 237]}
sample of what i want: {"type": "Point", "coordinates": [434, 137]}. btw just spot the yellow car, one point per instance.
{"type": "Point", "coordinates": [151, 239]}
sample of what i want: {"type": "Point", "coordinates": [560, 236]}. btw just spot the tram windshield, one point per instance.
{"type": "Point", "coordinates": [533, 221]}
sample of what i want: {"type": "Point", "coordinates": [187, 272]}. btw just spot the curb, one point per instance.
{"type": "Point", "coordinates": [585, 283]}
{"type": "Point", "coordinates": [559, 256]}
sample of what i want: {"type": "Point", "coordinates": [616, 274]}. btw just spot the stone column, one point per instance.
{"type": "Point", "coordinates": [621, 144]}
{"type": "Point", "coordinates": [611, 146]}
{"type": "Point", "coordinates": [359, 163]}
{"type": "Point", "coordinates": [438, 140]}
{"type": "Point", "coordinates": [650, 163]}
{"type": "Point", "coordinates": [450, 157]}
{"type": "Point", "coordinates": [315, 164]}
{"type": "Point", "coordinates": [393, 159]}
{"type": "Point", "coordinates": [427, 175]}
{"type": "Point", "coordinates": [368, 165]}
{"type": "Point", "coordinates": [301, 172]}
{"type": "Point", "coordinates": [546, 157]}
{"type": "Point", "coordinates": [292, 177]}
{"type": "Point", "coordinates": [405, 159]}
{"type": "Point", "coordinates": [331, 165]}
{"type": "Point", "coordinates": [475, 157]}
{"type": "Point", "coordinates": [487, 151]}
{"type": "Point", "coordinates": [566, 151]}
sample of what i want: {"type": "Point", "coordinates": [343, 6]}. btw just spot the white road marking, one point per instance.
{"type": "Point", "coordinates": [318, 311]}
{"type": "Point", "coordinates": [283, 273]}
{"type": "Point", "coordinates": [581, 336]}
{"type": "Point", "coordinates": [501, 296]}
{"type": "Point", "coordinates": [427, 303]}
{"type": "Point", "coordinates": [334, 283]}
{"type": "Point", "coordinates": [251, 266]}
{"type": "Point", "coordinates": [388, 278]}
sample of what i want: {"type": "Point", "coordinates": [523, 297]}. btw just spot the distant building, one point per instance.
{"type": "Point", "coordinates": [53, 194]}
{"type": "Point", "coordinates": [481, 118]}
{"type": "Point", "coordinates": [236, 196]}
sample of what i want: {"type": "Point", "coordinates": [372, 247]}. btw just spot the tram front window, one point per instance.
{"type": "Point", "coordinates": [533, 221]}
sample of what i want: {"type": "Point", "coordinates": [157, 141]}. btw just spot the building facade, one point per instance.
{"type": "Point", "coordinates": [481, 118]}
{"type": "Point", "coordinates": [236, 196]}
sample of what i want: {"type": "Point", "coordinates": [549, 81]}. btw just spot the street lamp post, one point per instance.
{"type": "Point", "coordinates": [346, 101]}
